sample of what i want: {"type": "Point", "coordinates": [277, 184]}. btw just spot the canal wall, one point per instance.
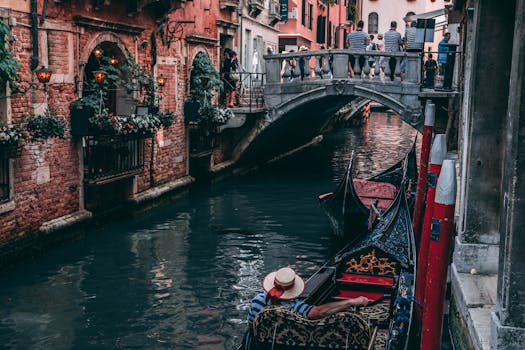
{"type": "Point", "coordinates": [487, 271]}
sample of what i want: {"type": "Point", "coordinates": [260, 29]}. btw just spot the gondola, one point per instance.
{"type": "Point", "coordinates": [381, 266]}
{"type": "Point", "coordinates": [353, 208]}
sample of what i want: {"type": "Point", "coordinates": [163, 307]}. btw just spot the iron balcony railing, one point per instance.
{"type": "Point", "coordinates": [250, 90]}
{"type": "Point", "coordinates": [110, 158]}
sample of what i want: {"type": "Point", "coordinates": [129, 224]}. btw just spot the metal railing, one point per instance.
{"type": "Point", "coordinates": [344, 64]}
{"type": "Point", "coordinates": [110, 158]}
{"type": "Point", "coordinates": [250, 90]}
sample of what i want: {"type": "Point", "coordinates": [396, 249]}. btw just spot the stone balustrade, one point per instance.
{"type": "Point", "coordinates": [334, 64]}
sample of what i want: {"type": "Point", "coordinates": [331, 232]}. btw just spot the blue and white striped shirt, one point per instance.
{"type": "Point", "coordinates": [357, 40]}
{"type": "Point", "coordinates": [393, 41]}
{"type": "Point", "coordinates": [259, 302]}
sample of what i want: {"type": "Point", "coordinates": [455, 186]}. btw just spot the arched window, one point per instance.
{"type": "Point", "coordinates": [372, 23]}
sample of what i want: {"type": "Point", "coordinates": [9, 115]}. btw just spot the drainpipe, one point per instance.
{"type": "Point", "coordinates": [34, 34]}
{"type": "Point", "coordinates": [239, 18]}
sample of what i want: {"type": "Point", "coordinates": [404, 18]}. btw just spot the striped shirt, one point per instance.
{"type": "Point", "coordinates": [357, 40]}
{"type": "Point", "coordinates": [259, 302]}
{"type": "Point", "coordinates": [393, 41]}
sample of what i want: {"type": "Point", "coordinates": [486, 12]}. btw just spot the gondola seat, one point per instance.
{"type": "Point", "coordinates": [286, 329]}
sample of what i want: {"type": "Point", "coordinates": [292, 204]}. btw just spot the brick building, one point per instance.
{"type": "Point", "coordinates": [57, 183]}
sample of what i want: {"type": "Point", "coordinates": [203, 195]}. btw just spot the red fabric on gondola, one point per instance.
{"type": "Point", "coordinates": [365, 279]}
{"type": "Point", "coordinates": [370, 191]}
{"type": "Point", "coordinates": [350, 294]}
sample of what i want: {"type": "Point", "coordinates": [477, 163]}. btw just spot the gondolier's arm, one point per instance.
{"type": "Point", "coordinates": [328, 309]}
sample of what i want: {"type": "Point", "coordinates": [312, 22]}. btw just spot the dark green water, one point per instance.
{"type": "Point", "coordinates": [183, 277]}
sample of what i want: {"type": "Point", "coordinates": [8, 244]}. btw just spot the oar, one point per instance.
{"type": "Point", "coordinates": [372, 339]}
{"type": "Point", "coordinates": [379, 300]}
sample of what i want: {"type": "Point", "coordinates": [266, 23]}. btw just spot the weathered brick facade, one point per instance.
{"type": "Point", "coordinates": [47, 178]}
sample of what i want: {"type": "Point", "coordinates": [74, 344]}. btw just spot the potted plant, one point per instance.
{"type": "Point", "coordinates": [42, 127]}
{"type": "Point", "coordinates": [166, 119]}
{"type": "Point", "coordinates": [205, 82]}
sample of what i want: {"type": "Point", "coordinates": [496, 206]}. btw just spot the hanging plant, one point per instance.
{"type": "Point", "coordinates": [10, 135]}
{"type": "Point", "coordinates": [42, 127]}
{"type": "Point", "coordinates": [166, 119]}
{"type": "Point", "coordinates": [9, 66]}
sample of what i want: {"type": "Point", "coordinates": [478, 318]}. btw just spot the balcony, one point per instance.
{"type": "Point", "coordinates": [274, 14]}
{"type": "Point", "coordinates": [111, 158]}
{"type": "Point", "coordinates": [230, 5]}
{"type": "Point", "coordinates": [255, 7]}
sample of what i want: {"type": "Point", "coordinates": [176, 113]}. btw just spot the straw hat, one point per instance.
{"type": "Point", "coordinates": [286, 280]}
{"type": "Point", "coordinates": [303, 48]}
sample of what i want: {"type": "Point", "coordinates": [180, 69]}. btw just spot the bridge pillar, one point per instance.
{"type": "Point", "coordinates": [340, 66]}
{"type": "Point", "coordinates": [273, 69]}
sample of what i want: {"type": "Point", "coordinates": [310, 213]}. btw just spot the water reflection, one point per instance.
{"type": "Point", "coordinates": [183, 277]}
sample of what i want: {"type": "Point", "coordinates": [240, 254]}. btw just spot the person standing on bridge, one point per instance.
{"type": "Point", "coordinates": [357, 40]}
{"type": "Point", "coordinates": [393, 43]}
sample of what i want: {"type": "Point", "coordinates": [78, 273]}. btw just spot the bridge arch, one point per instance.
{"type": "Point", "coordinates": [346, 93]}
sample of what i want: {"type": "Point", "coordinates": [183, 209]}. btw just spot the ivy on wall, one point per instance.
{"type": "Point", "coordinates": [9, 66]}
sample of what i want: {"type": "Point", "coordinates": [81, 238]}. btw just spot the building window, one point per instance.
{"type": "Point", "coordinates": [303, 13]}
{"type": "Point", "coordinates": [310, 13]}
{"type": "Point", "coordinates": [373, 21]}
{"type": "Point", "coordinates": [5, 178]}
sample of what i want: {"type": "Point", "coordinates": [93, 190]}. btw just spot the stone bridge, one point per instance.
{"type": "Point", "coordinates": [328, 80]}
{"type": "Point", "coordinates": [297, 109]}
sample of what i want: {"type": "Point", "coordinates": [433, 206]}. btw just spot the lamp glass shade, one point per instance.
{"type": "Point", "coordinates": [161, 80]}
{"type": "Point", "coordinates": [97, 52]}
{"type": "Point", "coordinates": [100, 76]}
{"type": "Point", "coordinates": [43, 74]}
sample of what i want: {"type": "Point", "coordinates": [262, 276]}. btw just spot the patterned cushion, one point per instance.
{"type": "Point", "coordinates": [343, 330]}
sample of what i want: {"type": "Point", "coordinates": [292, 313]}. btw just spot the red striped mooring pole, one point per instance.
{"type": "Point", "coordinates": [430, 112]}
{"type": "Point", "coordinates": [438, 257]}
{"type": "Point", "coordinates": [439, 150]}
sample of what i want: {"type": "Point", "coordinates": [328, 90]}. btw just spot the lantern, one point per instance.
{"type": "Point", "coordinates": [113, 60]}
{"type": "Point", "coordinates": [99, 76]}
{"type": "Point", "coordinates": [44, 74]}
{"type": "Point", "coordinates": [97, 52]}
{"type": "Point", "coordinates": [161, 80]}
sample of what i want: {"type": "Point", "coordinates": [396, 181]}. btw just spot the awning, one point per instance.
{"type": "Point", "coordinates": [426, 15]}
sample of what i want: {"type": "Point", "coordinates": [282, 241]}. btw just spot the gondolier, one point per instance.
{"type": "Point", "coordinates": [284, 287]}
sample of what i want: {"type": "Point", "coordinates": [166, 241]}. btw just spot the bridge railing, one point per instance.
{"type": "Point", "coordinates": [335, 64]}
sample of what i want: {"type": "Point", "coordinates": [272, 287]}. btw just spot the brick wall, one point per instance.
{"type": "Point", "coordinates": [47, 176]}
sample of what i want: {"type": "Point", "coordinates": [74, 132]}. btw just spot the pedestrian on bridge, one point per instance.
{"type": "Point", "coordinates": [357, 40]}
{"type": "Point", "coordinates": [393, 43]}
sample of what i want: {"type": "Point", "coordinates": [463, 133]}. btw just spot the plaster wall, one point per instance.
{"type": "Point", "coordinates": [388, 11]}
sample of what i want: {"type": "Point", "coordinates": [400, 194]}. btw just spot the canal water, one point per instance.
{"type": "Point", "coordinates": [182, 277]}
